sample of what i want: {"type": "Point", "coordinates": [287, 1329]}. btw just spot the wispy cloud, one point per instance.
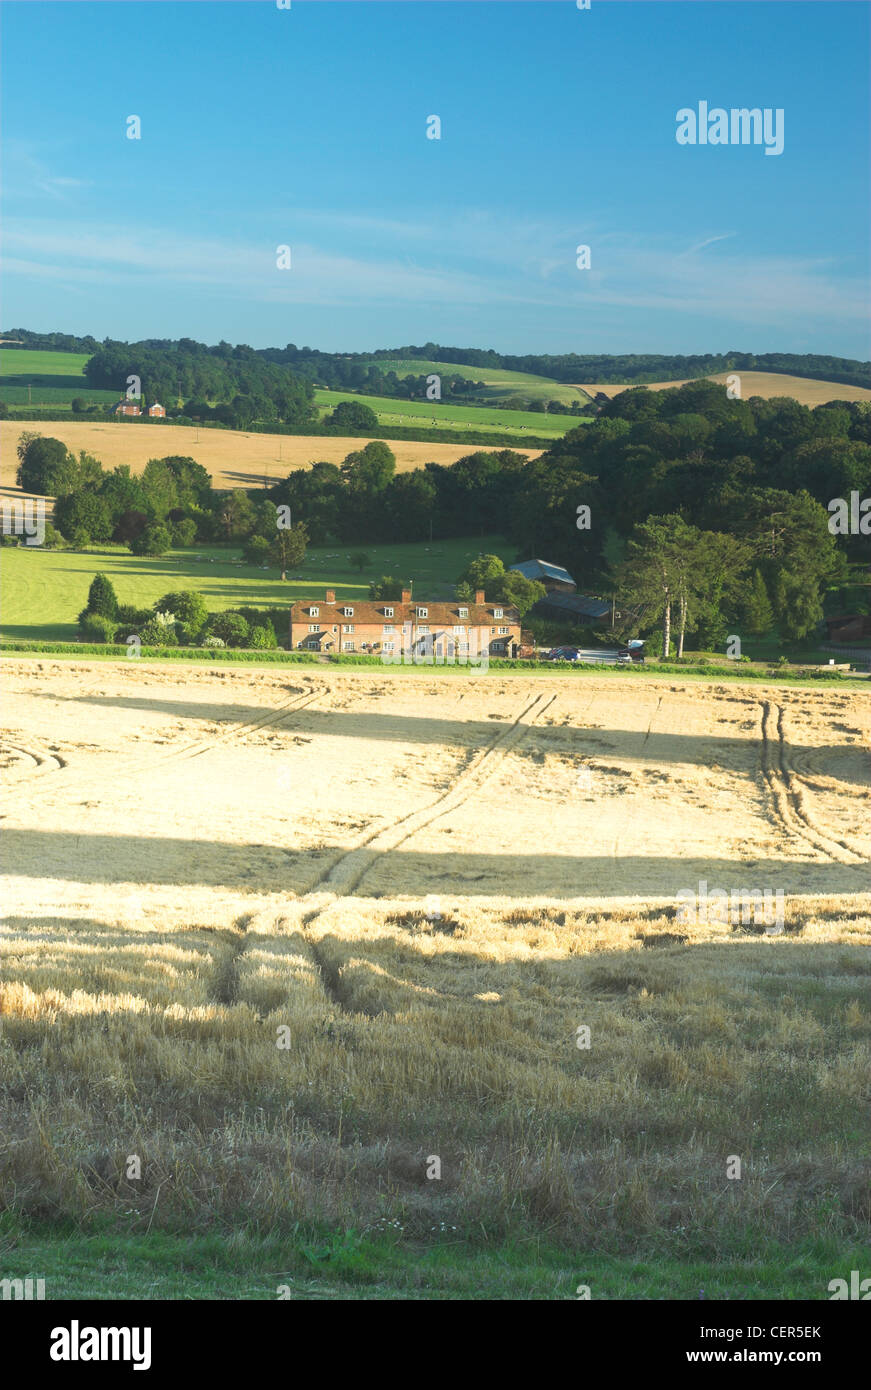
{"type": "Point", "coordinates": [477, 260]}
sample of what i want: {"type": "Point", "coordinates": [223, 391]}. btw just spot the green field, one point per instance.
{"type": "Point", "coordinates": [435, 413]}
{"type": "Point", "coordinates": [333, 1264]}
{"type": "Point", "coordinates": [46, 378]}
{"type": "Point", "coordinates": [44, 591]}
{"type": "Point", "coordinates": [500, 384]}
{"type": "Point", "coordinates": [23, 362]}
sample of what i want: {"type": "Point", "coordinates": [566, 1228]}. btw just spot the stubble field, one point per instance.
{"type": "Point", "coordinates": [234, 458]}
{"type": "Point", "coordinates": [289, 938]}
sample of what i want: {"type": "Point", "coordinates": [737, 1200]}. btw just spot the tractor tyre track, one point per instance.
{"type": "Point", "coordinates": [786, 793]}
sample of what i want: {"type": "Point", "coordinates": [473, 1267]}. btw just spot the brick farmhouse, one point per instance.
{"type": "Point", "coordinates": [125, 407]}
{"type": "Point", "coordinates": [403, 629]}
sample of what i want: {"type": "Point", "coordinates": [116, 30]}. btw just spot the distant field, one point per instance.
{"type": "Point", "coordinates": [27, 363]}
{"type": "Point", "coordinates": [44, 591]}
{"type": "Point", "coordinates": [54, 395]}
{"type": "Point", "coordinates": [765, 384]}
{"type": "Point", "coordinates": [435, 413]}
{"type": "Point", "coordinates": [233, 457]}
{"type": "Point", "coordinates": [499, 383]}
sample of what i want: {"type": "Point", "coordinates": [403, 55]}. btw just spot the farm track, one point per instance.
{"type": "Point", "coordinates": [787, 795]}
{"type": "Point", "coordinates": [345, 875]}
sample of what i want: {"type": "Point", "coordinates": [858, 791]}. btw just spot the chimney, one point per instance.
{"type": "Point", "coordinates": [331, 595]}
{"type": "Point", "coordinates": [406, 596]}
{"type": "Point", "coordinates": [479, 596]}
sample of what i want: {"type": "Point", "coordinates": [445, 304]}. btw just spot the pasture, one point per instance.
{"type": "Point", "coordinates": [37, 365]}
{"type": "Point", "coordinates": [499, 382]}
{"type": "Point", "coordinates": [433, 414]}
{"type": "Point", "coordinates": [320, 950]}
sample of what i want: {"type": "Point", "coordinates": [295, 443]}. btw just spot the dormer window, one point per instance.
{"type": "Point", "coordinates": [464, 612]}
{"type": "Point", "coordinates": [423, 612]}
{"type": "Point", "coordinates": [348, 612]}
{"type": "Point", "coordinates": [314, 612]}
{"type": "Point", "coordinates": [388, 612]}
{"type": "Point", "coordinates": [497, 613]}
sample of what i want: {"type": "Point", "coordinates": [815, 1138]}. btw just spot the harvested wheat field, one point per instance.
{"type": "Point", "coordinates": [233, 457]}
{"type": "Point", "coordinates": [299, 940]}
{"type": "Point", "coordinates": [764, 384]}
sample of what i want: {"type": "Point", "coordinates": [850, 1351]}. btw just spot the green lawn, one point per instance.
{"type": "Point", "coordinates": [484, 418]}
{"type": "Point", "coordinates": [352, 1265]}
{"type": "Point", "coordinates": [44, 591]}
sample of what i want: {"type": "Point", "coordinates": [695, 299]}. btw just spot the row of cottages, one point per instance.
{"type": "Point", "coordinates": [130, 408]}
{"type": "Point", "coordinates": [397, 628]}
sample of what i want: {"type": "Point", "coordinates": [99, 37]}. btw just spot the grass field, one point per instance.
{"type": "Point", "coordinates": [484, 418]}
{"type": "Point", "coordinates": [289, 937]}
{"type": "Point", "coordinates": [500, 384]}
{"type": "Point", "coordinates": [765, 384]}
{"type": "Point", "coordinates": [38, 365]}
{"type": "Point", "coordinates": [234, 458]}
{"type": "Point", "coordinates": [44, 592]}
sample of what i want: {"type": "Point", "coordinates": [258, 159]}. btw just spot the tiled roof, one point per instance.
{"type": "Point", "coordinates": [369, 611]}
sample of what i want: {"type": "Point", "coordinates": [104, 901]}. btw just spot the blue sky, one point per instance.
{"type": "Point", "coordinates": [263, 127]}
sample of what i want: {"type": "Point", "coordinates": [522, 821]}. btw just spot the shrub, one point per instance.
{"type": "Point", "coordinates": [8, 540]}
{"type": "Point", "coordinates": [213, 642]}
{"type": "Point", "coordinates": [102, 597]}
{"type": "Point", "coordinates": [53, 539]}
{"type": "Point", "coordinates": [96, 627]}
{"type": "Point", "coordinates": [187, 606]}
{"type": "Point", "coordinates": [133, 616]}
{"type": "Point", "coordinates": [155, 633]}
{"type": "Point", "coordinates": [230, 627]}
{"type": "Point", "coordinates": [80, 537]}
{"type": "Point", "coordinates": [184, 532]}
{"type": "Point", "coordinates": [263, 638]}
{"type": "Point", "coordinates": [78, 404]}
{"type": "Point", "coordinates": [256, 550]}
{"type": "Point", "coordinates": [155, 540]}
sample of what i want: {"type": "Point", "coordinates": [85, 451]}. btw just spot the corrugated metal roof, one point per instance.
{"type": "Point", "coordinates": [543, 569]}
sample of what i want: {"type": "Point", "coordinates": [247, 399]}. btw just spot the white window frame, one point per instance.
{"type": "Point", "coordinates": [314, 612]}
{"type": "Point", "coordinates": [463, 613]}
{"type": "Point", "coordinates": [388, 627]}
{"type": "Point", "coordinates": [348, 647]}
{"type": "Point", "coordinates": [348, 612]}
{"type": "Point", "coordinates": [423, 612]}
{"type": "Point", "coordinates": [498, 612]}
{"type": "Point", "coordinates": [314, 627]}
{"type": "Point", "coordinates": [388, 612]}
{"type": "Point", "coordinates": [347, 627]}
{"type": "Point", "coordinates": [423, 631]}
